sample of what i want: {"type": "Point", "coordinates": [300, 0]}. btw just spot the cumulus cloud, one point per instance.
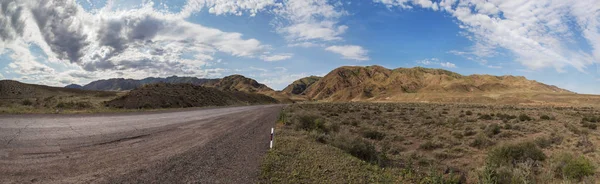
{"type": "Point", "coordinates": [305, 20]}
{"type": "Point", "coordinates": [429, 61]}
{"type": "Point", "coordinates": [278, 77]}
{"type": "Point", "coordinates": [448, 65]}
{"type": "Point", "coordinates": [353, 52]}
{"type": "Point", "coordinates": [436, 61]}
{"type": "Point", "coordinates": [277, 57]}
{"type": "Point", "coordinates": [234, 7]}
{"type": "Point", "coordinates": [106, 42]}
{"type": "Point", "coordinates": [536, 32]}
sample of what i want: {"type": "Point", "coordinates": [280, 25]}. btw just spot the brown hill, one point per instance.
{"type": "Point", "coordinates": [239, 83]}
{"type": "Point", "coordinates": [16, 90]}
{"type": "Point", "coordinates": [354, 83]}
{"type": "Point", "coordinates": [165, 95]}
{"type": "Point", "coordinates": [300, 85]}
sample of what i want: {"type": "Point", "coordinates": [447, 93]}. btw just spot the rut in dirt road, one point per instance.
{"type": "Point", "coordinates": [223, 145]}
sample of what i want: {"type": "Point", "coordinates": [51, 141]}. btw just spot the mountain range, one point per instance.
{"type": "Point", "coordinates": [361, 83]}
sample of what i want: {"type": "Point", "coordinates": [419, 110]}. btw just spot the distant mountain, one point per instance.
{"type": "Point", "coordinates": [166, 95]}
{"type": "Point", "coordinates": [356, 83]}
{"type": "Point", "coordinates": [10, 89]}
{"type": "Point", "coordinates": [239, 83]}
{"type": "Point", "coordinates": [74, 86]}
{"type": "Point", "coordinates": [298, 86]}
{"type": "Point", "coordinates": [120, 84]}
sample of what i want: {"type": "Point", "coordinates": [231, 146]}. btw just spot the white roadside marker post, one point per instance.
{"type": "Point", "coordinates": [272, 133]}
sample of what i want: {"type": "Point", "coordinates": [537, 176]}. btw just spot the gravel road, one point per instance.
{"type": "Point", "coordinates": [221, 145]}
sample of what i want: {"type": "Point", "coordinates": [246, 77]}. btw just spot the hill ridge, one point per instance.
{"type": "Point", "coordinates": [356, 83]}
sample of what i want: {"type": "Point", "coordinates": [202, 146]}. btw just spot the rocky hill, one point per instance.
{"type": "Point", "coordinates": [165, 95]}
{"type": "Point", "coordinates": [74, 86]}
{"type": "Point", "coordinates": [229, 83]}
{"type": "Point", "coordinates": [299, 86]}
{"type": "Point", "coordinates": [120, 84]}
{"type": "Point", "coordinates": [355, 83]}
{"type": "Point", "coordinates": [239, 83]}
{"type": "Point", "coordinates": [16, 90]}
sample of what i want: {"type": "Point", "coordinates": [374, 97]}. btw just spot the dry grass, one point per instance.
{"type": "Point", "coordinates": [416, 142]}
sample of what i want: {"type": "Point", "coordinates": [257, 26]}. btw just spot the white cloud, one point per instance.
{"type": "Point", "coordinates": [429, 61]}
{"type": "Point", "coordinates": [538, 32]}
{"type": "Point", "coordinates": [305, 44]}
{"type": "Point", "coordinates": [448, 65]}
{"type": "Point", "coordinates": [258, 69]}
{"type": "Point", "coordinates": [310, 20]}
{"type": "Point", "coordinates": [436, 61]}
{"type": "Point", "coordinates": [277, 57]}
{"type": "Point", "coordinates": [221, 7]}
{"type": "Point", "coordinates": [134, 43]}
{"type": "Point", "coordinates": [353, 52]}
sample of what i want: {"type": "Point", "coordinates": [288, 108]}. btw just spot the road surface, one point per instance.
{"type": "Point", "coordinates": [221, 145]}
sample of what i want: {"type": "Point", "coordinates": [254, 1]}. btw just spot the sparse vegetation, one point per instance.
{"type": "Point", "coordinates": [27, 102]}
{"type": "Point", "coordinates": [570, 167]}
{"type": "Point", "coordinates": [524, 117]}
{"type": "Point", "coordinates": [513, 154]}
{"type": "Point", "coordinates": [422, 144]}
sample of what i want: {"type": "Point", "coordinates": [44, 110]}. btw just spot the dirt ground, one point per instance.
{"type": "Point", "coordinates": [222, 145]}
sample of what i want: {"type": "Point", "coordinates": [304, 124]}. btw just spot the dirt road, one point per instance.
{"type": "Point", "coordinates": [222, 145]}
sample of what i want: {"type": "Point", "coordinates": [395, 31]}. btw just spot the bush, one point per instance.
{"type": "Point", "coordinates": [27, 102]}
{"type": "Point", "coordinates": [591, 118]}
{"type": "Point", "coordinates": [481, 141]}
{"type": "Point", "coordinates": [524, 117]}
{"type": "Point", "coordinates": [492, 130]}
{"type": "Point", "coordinates": [74, 105]}
{"type": "Point", "coordinates": [359, 148]}
{"type": "Point", "coordinates": [512, 154]}
{"type": "Point", "coordinates": [589, 125]}
{"type": "Point", "coordinates": [485, 117]}
{"type": "Point", "coordinates": [468, 113]}
{"type": "Point", "coordinates": [543, 142]}
{"type": "Point", "coordinates": [311, 122]}
{"type": "Point", "coordinates": [429, 145]}
{"type": "Point", "coordinates": [568, 166]}
{"type": "Point", "coordinates": [469, 132]}
{"type": "Point", "coordinates": [545, 117]}
{"type": "Point", "coordinates": [373, 134]}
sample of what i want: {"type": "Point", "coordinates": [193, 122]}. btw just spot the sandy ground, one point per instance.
{"type": "Point", "coordinates": [221, 145]}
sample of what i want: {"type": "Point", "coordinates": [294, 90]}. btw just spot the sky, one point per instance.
{"type": "Point", "coordinates": [60, 42]}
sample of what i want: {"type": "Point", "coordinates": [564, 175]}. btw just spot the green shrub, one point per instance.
{"type": "Point", "coordinates": [492, 130]}
{"type": "Point", "coordinates": [591, 118]}
{"type": "Point", "coordinates": [359, 148]}
{"type": "Point", "coordinates": [481, 141]}
{"type": "Point", "coordinates": [373, 134]}
{"type": "Point", "coordinates": [545, 117]}
{"type": "Point", "coordinates": [27, 102]}
{"type": "Point", "coordinates": [429, 145]}
{"type": "Point", "coordinates": [468, 113]}
{"type": "Point", "coordinates": [568, 166]}
{"type": "Point", "coordinates": [512, 154]}
{"type": "Point", "coordinates": [589, 125]}
{"type": "Point", "coordinates": [524, 117]}
{"type": "Point", "coordinates": [543, 142]}
{"type": "Point", "coordinates": [469, 132]}
{"type": "Point", "coordinates": [313, 122]}
{"type": "Point", "coordinates": [485, 117]}
{"type": "Point", "coordinates": [435, 177]}
{"type": "Point", "coordinates": [74, 105]}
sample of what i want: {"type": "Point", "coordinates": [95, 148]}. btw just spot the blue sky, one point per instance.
{"type": "Point", "coordinates": [278, 41]}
